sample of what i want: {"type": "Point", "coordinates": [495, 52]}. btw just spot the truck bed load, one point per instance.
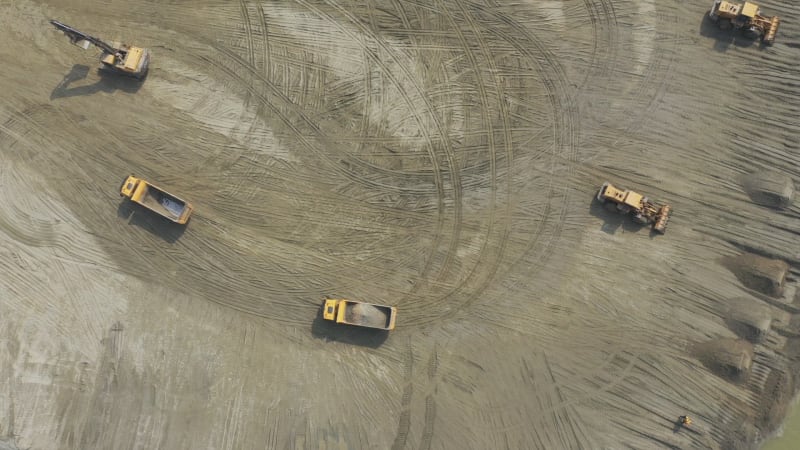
{"type": "Point", "coordinates": [156, 199]}
{"type": "Point", "coordinates": [360, 314]}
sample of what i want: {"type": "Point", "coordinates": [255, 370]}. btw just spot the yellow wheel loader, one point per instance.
{"type": "Point", "coordinates": [745, 17]}
{"type": "Point", "coordinates": [116, 57]}
{"type": "Point", "coordinates": [641, 209]}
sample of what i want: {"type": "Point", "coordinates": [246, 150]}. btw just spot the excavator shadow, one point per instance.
{"type": "Point", "coordinates": [151, 222]}
{"type": "Point", "coordinates": [723, 39]}
{"type": "Point", "coordinates": [107, 82]}
{"type": "Point", "coordinates": [330, 331]}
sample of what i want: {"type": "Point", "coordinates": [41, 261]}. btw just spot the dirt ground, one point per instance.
{"type": "Point", "coordinates": [439, 156]}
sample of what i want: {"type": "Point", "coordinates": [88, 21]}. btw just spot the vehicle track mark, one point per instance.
{"type": "Point", "coordinates": [565, 132]}
{"type": "Point", "coordinates": [404, 424]}
{"type": "Point", "coordinates": [251, 56]}
{"type": "Point", "coordinates": [450, 161]}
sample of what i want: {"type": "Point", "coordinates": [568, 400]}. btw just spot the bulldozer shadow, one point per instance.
{"type": "Point", "coordinates": [107, 82]}
{"type": "Point", "coordinates": [151, 222]}
{"type": "Point", "coordinates": [336, 332]}
{"type": "Point", "coordinates": [613, 220]}
{"type": "Point", "coordinates": [723, 39]}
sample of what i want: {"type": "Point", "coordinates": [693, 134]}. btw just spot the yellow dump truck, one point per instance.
{"type": "Point", "coordinates": [360, 314]}
{"type": "Point", "coordinates": [156, 199]}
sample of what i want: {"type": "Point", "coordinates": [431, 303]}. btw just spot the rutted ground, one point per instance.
{"type": "Point", "coordinates": [437, 156]}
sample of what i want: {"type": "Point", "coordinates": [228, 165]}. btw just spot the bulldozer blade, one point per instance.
{"type": "Point", "coordinates": [662, 218]}
{"type": "Point", "coordinates": [772, 30]}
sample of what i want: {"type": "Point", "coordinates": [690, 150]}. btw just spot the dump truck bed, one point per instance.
{"type": "Point", "coordinates": [367, 315]}
{"type": "Point", "coordinates": [360, 314]}
{"type": "Point", "coordinates": [162, 202]}
{"type": "Point", "coordinates": [156, 199]}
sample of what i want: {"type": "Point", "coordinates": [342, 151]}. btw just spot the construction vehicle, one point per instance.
{"type": "Point", "coordinates": [638, 206]}
{"type": "Point", "coordinates": [746, 17]}
{"type": "Point", "coordinates": [116, 57]}
{"type": "Point", "coordinates": [156, 199]}
{"type": "Point", "coordinates": [360, 314]}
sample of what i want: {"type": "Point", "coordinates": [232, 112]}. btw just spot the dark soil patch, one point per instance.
{"type": "Point", "coordinates": [775, 400]}
{"type": "Point", "coordinates": [743, 436]}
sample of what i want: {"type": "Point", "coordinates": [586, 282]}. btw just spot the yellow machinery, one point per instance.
{"type": "Point", "coordinates": [116, 57]}
{"type": "Point", "coordinates": [746, 17]}
{"type": "Point", "coordinates": [360, 314]}
{"type": "Point", "coordinates": [642, 210]}
{"type": "Point", "coordinates": [156, 199]}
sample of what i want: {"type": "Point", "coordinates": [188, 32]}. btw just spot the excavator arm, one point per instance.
{"type": "Point", "coordinates": [82, 39]}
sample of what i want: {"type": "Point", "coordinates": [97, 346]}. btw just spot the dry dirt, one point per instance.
{"type": "Point", "coordinates": [438, 156]}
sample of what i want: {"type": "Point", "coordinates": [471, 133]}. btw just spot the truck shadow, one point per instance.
{"type": "Point", "coordinates": [151, 222]}
{"type": "Point", "coordinates": [723, 39]}
{"type": "Point", "coordinates": [330, 331]}
{"type": "Point", "coordinates": [107, 82]}
{"type": "Point", "coordinates": [612, 220]}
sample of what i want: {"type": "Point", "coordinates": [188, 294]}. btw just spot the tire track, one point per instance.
{"type": "Point", "coordinates": [507, 140]}
{"type": "Point", "coordinates": [565, 135]}
{"type": "Point", "coordinates": [448, 151]}
{"type": "Point", "coordinates": [246, 302]}
{"type": "Point", "coordinates": [251, 56]}
{"type": "Point", "coordinates": [430, 402]}
{"type": "Point", "coordinates": [565, 132]}
{"type": "Point", "coordinates": [404, 424]}
{"type": "Point", "coordinates": [657, 72]}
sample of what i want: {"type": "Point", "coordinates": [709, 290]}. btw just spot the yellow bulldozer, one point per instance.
{"type": "Point", "coordinates": [641, 209]}
{"type": "Point", "coordinates": [117, 57]}
{"type": "Point", "coordinates": [745, 17]}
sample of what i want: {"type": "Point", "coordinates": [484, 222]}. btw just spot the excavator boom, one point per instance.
{"type": "Point", "coordinates": [82, 39]}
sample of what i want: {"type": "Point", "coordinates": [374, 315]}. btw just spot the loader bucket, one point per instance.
{"type": "Point", "coordinates": [662, 218]}
{"type": "Point", "coordinates": [772, 30]}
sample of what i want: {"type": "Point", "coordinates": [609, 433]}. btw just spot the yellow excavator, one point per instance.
{"type": "Point", "coordinates": [746, 17]}
{"type": "Point", "coordinates": [638, 206]}
{"type": "Point", "coordinates": [116, 57]}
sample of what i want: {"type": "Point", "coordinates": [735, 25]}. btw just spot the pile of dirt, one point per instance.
{"type": "Point", "coordinates": [748, 318]}
{"type": "Point", "coordinates": [765, 275]}
{"type": "Point", "coordinates": [728, 358]}
{"type": "Point", "coordinates": [367, 315]}
{"type": "Point", "coordinates": [769, 188]}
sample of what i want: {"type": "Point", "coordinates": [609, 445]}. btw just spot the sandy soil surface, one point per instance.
{"type": "Point", "coordinates": [439, 156]}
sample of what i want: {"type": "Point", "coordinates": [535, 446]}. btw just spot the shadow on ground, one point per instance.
{"type": "Point", "coordinates": [151, 222]}
{"type": "Point", "coordinates": [107, 82]}
{"type": "Point", "coordinates": [613, 220]}
{"type": "Point", "coordinates": [330, 331]}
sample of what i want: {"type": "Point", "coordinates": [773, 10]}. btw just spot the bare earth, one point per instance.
{"type": "Point", "coordinates": [439, 156]}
